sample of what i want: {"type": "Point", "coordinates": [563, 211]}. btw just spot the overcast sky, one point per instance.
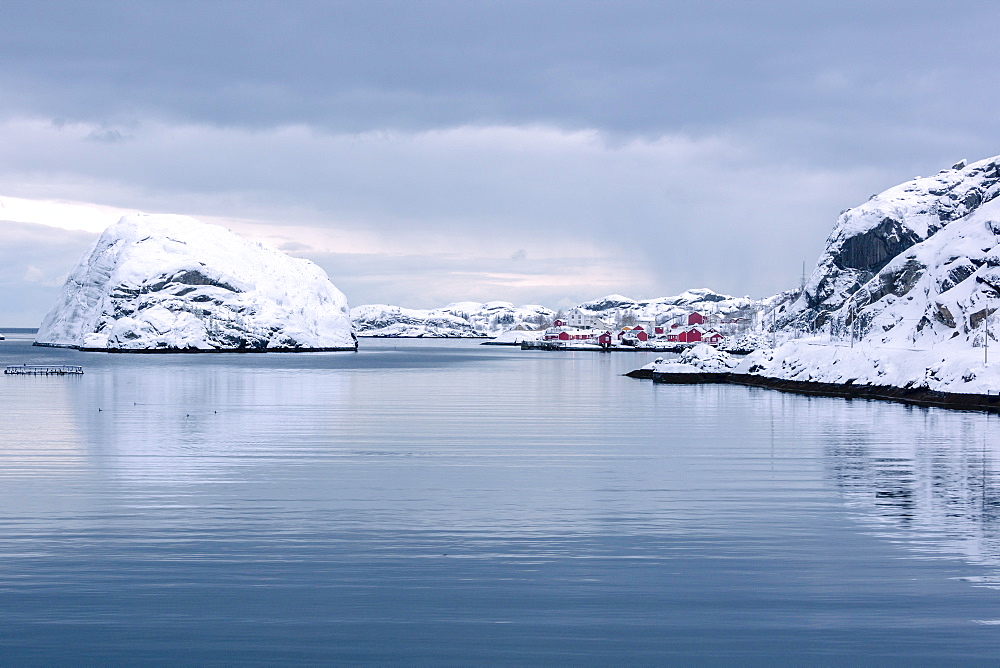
{"type": "Point", "coordinates": [534, 152]}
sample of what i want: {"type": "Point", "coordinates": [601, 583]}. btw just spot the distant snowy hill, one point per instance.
{"type": "Point", "coordinates": [664, 309]}
{"type": "Point", "coordinates": [911, 277]}
{"type": "Point", "coordinates": [473, 319]}
{"type": "Point", "coordinates": [461, 319]}
{"type": "Point", "coordinates": [172, 283]}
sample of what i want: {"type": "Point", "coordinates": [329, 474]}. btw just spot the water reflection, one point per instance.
{"type": "Point", "coordinates": [24, 440]}
{"type": "Point", "coordinates": [924, 477]}
{"type": "Point", "coordinates": [193, 423]}
{"type": "Point", "coordinates": [386, 508]}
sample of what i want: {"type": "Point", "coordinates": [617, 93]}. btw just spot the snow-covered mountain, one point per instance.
{"type": "Point", "coordinates": [461, 319]}
{"type": "Point", "coordinates": [664, 309]}
{"type": "Point", "coordinates": [162, 282]}
{"type": "Point", "coordinates": [868, 237]}
{"type": "Point", "coordinates": [904, 292]}
{"type": "Point", "coordinates": [473, 319]}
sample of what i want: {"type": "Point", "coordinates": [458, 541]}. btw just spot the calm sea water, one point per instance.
{"type": "Point", "coordinates": [445, 503]}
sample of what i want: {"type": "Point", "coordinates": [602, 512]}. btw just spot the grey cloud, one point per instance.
{"type": "Point", "coordinates": [619, 66]}
{"type": "Point", "coordinates": [107, 135]}
{"type": "Point", "coordinates": [683, 211]}
{"type": "Point", "coordinates": [428, 281]}
{"type": "Point", "coordinates": [727, 136]}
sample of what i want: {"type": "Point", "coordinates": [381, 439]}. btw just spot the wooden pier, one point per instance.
{"type": "Point", "coordinates": [44, 369]}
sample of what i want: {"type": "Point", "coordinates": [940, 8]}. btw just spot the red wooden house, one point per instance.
{"type": "Point", "coordinates": [695, 335]}
{"type": "Point", "coordinates": [636, 332]}
{"type": "Point", "coordinates": [712, 338]}
{"type": "Point", "coordinates": [692, 335]}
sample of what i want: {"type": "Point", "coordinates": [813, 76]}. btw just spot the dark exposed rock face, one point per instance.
{"type": "Point", "coordinates": [870, 251]}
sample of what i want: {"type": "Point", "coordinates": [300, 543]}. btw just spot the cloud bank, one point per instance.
{"type": "Point", "coordinates": [547, 152]}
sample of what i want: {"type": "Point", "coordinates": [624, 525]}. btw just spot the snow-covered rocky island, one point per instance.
{"type": "Point", "coordinates": [901, 302]}
{"type": "Point", "coordinates": [165, 283]}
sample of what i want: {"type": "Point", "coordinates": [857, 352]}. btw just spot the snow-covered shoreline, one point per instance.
{"type": "Point", "coordinates": [900, 305]}
{"type": "Point", "coordinates": [839, 370]}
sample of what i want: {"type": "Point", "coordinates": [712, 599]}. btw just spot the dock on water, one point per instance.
{"type": "Point", "coordinates": [44, 369]}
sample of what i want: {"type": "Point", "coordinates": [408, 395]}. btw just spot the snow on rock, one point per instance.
{"type": "Point", "coordinates": [868, 237]}
{"type": "Point", "coordinates": [653, 365]}
{"type": "Point", "coordinates": [474, 319]}
{"type": "Point", "coordinates": [905, 292]}
{"type": "Point", "coordinates": [748, 341]}
{"type": "Point", "coordinates": [395, 321]}
{"type": "Point", "coordinates": [663, 309]}
{"type": "Point", "coordinates": [948, 367]}
{"type": "Point", "coordinates": [165, 282]}
{"type": "Point", "coordinates": [460, 319]}
{"type": "Point", "coordinates": [700, 358]}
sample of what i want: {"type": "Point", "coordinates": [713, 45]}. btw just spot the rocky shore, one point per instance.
{"type": "Point", "coordinates": [703, 364]}
{"type": "Point", "coordinates": [913, 396]}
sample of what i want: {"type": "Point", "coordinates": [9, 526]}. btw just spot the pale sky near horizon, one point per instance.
{"type": "Point", "coordinates": [534, 152]}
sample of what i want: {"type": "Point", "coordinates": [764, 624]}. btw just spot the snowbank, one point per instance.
{"type": "Point", "coordinates": [701, 358]}
{"type": "Point", "coordinates": [951, 366]}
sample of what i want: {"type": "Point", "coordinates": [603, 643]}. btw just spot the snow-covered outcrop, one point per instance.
{"type": "Point", "coordinates": [700, 358]}
{"type": "Point", "coordinates": [868, 237]}
{"type": "Point", "coordinates": [746, 342]}
{"type": "Point", "coordinates": [905, 292]}
{"type": "Point", "coordinates": [461, 319]}
{"type": "Point", "coordinates": [163, 282]}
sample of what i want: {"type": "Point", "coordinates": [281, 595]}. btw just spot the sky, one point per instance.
{"type": "Point", "coordinates": [425, 152]}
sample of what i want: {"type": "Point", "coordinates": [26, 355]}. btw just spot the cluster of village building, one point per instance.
{"type": "Point", "coordinates": [581, 327]}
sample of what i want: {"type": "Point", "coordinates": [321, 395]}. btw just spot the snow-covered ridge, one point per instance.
{"type": "Point", "coordinates": [905, 292]}
{"type": "Point", "coordinates": [474, 319]}
{"type": "Point", "coordinates": [460, 319]}
{"type": "Point", "coordinates": [703, 300]}
{"type": "Point", "coordinates": [867, 237]}
{"type": "Point", "coordinates": [163, 282]}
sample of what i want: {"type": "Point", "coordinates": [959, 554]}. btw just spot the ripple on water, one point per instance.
{"type": "Point", "coordinates": [438, 502]}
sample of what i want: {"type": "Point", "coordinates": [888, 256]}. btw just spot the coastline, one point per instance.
{"type": "Point", "coordinates": [567, 346]}
{"type": "Point", "coordinates": [172, 351]}
{"type": "Point", "coordinates": [418, 336]}
{"type": "Point", "coordinates": [911, 396]}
